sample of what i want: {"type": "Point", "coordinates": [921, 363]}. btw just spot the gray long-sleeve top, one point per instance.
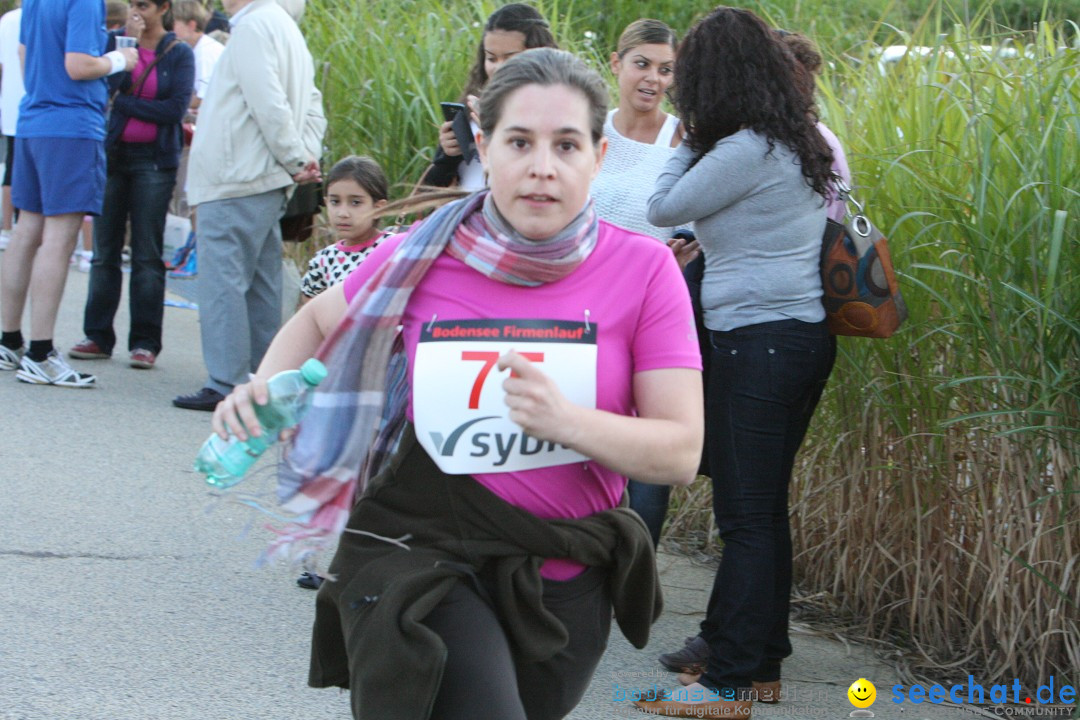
{"type": "Point", "coordinates": [759, 225]}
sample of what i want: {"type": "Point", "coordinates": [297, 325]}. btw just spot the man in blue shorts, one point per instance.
{"type": "Point", "coordinates": [59, 174]}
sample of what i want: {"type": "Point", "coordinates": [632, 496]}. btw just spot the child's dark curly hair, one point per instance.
{"type": "Point", "coordinates": [733, 72]}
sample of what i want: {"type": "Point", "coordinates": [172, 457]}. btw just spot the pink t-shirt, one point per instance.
{"type": "Point", "coordinates": [630, 288]}
{"type": "Point", "coordinates": [140, 131]}
{"type": "Point", "coordinates": [837, 208]}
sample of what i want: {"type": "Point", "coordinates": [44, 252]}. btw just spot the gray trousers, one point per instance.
{"type": "Point", "coordinates": [239, 245]}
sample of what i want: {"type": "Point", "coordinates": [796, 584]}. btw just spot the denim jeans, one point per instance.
{"type": "Point", "coordinates": [650, 501]}
{"type": "Point", "coordinates": [137, 189]}
{"type": "Point", "coordinates": [765, 381]}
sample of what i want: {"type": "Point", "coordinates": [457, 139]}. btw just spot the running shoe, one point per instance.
{"type": "Point", "coordinates": [53, 370]}
{"type": "Point", "coordinates": [9, 359]}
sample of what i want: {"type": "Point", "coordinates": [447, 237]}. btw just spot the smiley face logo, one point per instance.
{"type": "Point", "coordinates": [862, 693]}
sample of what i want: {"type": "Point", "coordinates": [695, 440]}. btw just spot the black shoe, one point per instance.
{"type": "Point", "coordinates": [690, 659]}
{"type": "Point", "coordinates": [310, 581]}
{"type": "Point", "coordinates": [206, 399]}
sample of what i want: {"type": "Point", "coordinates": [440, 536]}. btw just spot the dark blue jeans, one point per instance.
{"type": "Point", "coordinates": [650, 501]}
{"type": "Point", "coordinates": [137, 189]}
{"type": "Point", "coordinates": [765, 381]}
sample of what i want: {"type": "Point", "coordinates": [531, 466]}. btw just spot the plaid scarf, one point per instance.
{"type": "Point", "coordinates": [358, 412]}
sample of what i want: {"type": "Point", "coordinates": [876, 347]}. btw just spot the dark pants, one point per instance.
{"type": "Point", "coordinates": [765, 381]}
{"type": "Point", "coordinates": [137, 189]}
{"type": "Point", "coordinates": [650, 501]}
{"type": "Point", "coordinates": [481, 680]}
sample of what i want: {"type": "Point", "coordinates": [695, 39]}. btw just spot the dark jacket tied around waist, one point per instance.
{"type": "Point", "coordinates": [368, 633]}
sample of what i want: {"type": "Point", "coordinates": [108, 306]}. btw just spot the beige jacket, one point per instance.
{"type": "Point", "coordinates": [262, 118]}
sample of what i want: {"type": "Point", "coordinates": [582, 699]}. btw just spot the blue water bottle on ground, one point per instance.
{"type": "Point", "coordinates": [224, 462]}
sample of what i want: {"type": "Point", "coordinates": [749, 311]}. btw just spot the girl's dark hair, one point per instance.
{"type": "Point", "coordinates": [544, 66]}
{"type": "Point", "coordinates": [365, 171]}
{"type": "Point", "coordinates": [733, 72]}
{"type": "Point", "coordinates": [515, 17]}
{"type": "Point", "coordinates": [645, 32]}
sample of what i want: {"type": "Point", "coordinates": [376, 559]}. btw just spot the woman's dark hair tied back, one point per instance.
{"type": "Point", "coordinates": [515, 17]}
{"type": "Point", "coordinates": [645, 31]}
{"type": "Point", "coordinates": [167, 20]}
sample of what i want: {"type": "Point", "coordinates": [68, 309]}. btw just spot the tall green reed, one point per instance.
{"type": "Point", "coordinates": [938, 497]}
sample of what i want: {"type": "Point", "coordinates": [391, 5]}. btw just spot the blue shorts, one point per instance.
{"type": "Point", "coordinates": [56, 176]}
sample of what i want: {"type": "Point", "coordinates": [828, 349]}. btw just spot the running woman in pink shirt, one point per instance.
{"type": "Point", "coordinates": [544, 355]}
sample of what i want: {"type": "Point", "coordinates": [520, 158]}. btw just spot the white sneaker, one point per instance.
{"type": "Point", "coordinates": [5, 238]}
{"type": "Point", "coordinates": [53, 370]}
{"type": "Point", "coordinates": [85, 256]}
{"type": "Point", "coordinates": [9, 359]}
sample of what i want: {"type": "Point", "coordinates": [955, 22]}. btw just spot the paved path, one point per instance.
{"type": "Point", "coordinates": [127, 594]}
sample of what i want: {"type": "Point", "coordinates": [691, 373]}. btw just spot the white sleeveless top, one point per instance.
{"type": "Point", "coordinates": [626, 180]}
{"type": "Point", "coordinates": [471, 175]}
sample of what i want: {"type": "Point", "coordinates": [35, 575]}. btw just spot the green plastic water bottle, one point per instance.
{"type": "Point", "coordinates": [224, 462]}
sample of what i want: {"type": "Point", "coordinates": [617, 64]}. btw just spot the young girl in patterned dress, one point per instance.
{"type": "Point", "coordinates": [355, 188]}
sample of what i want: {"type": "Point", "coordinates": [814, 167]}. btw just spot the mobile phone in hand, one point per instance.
{"type": "Point", "coordinates": [458, 114]}
{"type": "Point", "coordinates": [450, 110]}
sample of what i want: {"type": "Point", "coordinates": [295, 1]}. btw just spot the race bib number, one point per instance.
{"type": "Point", "coordinates": [459, 409]}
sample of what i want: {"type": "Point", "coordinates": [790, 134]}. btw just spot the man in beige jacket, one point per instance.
{"type": "Point", "coordinates": [260, 131]}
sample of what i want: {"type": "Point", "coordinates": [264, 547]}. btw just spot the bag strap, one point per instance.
{"type": "Point", "coordinates": [844, 193]}
{"type": "Point", "coordinates": [858, 220]}
{"type": "Point", "coordinates": [137, 86]}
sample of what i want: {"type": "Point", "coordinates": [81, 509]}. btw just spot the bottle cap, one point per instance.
{"type": "Point", "coordinates": [313, 371]}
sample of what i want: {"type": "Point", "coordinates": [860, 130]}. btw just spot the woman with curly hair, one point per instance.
{"type": "Point", "coordinates": [752, 176]}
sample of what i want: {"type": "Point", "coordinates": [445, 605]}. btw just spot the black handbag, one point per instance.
{"type": "Point", "coordinates": [298, 222]}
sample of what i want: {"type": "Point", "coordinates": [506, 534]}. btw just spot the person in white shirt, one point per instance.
{"type": "Point", "coordinates": [11, 93]}
{"type": "Point", "coordinates": [259, 132]}
{"type": "Point", "coordinates": [191, 17]}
